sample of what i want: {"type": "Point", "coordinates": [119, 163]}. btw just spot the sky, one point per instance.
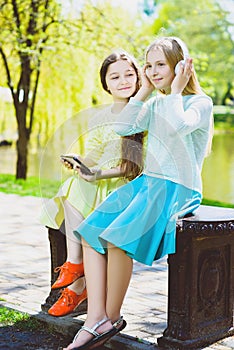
{"type": "Point", "coordinates": [229, 6]}
{"type": "Point", "coordinates": [131, 5]}
{"type": "Point", "coordinates": [135, 6]}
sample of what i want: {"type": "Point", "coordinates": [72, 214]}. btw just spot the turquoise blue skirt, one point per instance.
{"type": "Point", "coordinates": [140, 218]}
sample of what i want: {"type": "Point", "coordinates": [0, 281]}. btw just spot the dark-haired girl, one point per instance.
{"type": "Point", "coordinates": [113, 160]}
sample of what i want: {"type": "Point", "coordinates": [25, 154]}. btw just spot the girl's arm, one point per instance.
{"type": "Point", "coordinates": [109, 173]}
{"type": "Point", "coordinates": [100, 174]}
{"type": "Point", "coordinates": [197, 114]}
{"type": "Point", "coordinates": [198, 110]}
{"type": "Point", "coordinates": [134, 118]}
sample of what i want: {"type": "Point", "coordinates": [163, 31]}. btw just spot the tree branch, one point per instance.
{"type": "Point", "coordinates": [9, 81]}
{"type": "Point", "coordinates": [16, 14]}
{"type": "Point", "coordinates": [32, 20]}
{"type": "Point", "coordinates": [34, 98]}
{"type": "Point", "coordinates": [45, 16]}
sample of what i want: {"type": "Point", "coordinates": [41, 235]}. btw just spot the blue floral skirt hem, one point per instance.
{"type": "Point", "coordinates": [140, 218]}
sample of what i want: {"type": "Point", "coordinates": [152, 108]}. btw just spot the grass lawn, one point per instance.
{"type": "Point", "coordinates": [9, 317]}
{"type": "Point", "coordinates": [34, 186]}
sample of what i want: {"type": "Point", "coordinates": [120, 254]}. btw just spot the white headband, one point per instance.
{"type": "Point", "coordinates": [185, 53]}
{"type": "Point", "coordinates": [183, 47]}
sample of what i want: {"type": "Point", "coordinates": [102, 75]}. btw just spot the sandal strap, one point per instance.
{"type": "Point", "coordinates": [104, 320]}
{"type": "Point", "coordinates": [90, 330]}
{"type": "Point", "coordinates": [93, 329]}
{"type": "Point", "coordinates": [116, 323]}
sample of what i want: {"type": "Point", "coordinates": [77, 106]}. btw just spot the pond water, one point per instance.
{"type": "Point", "coordinates": [218, 169]}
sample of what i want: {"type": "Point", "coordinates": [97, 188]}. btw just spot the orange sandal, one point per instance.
{"type": "Point", "coordinates": [69, 273]}
{"type": "Point", "coordinates": [67, 302]}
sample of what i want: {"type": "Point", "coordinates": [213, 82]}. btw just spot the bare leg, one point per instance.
{"type": "Point", "coordinates": [72, 220]}
{"type": "Point", "coordinates": [118, 276]}
{"type": "Point", "coordinates": [107, 283]}
{"type": "Point", "coordinates": [95, 265]}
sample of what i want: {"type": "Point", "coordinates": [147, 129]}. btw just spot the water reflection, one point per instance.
{"type": "Point", "coordinates": [218, 170]}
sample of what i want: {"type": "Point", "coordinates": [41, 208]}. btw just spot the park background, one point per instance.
{"type": "Point", "coordinates": [51, 51]}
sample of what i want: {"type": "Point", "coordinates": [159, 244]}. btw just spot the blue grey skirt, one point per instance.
{"type": "Point", "coordinates": [140, 218]}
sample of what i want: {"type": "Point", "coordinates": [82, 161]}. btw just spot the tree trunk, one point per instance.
{"type": "Point", "coordinates": [228, 94]}
{"type": "Point", "coordinates": [22, 154]}
{"type": "Point", "coordinates": [23, 141]}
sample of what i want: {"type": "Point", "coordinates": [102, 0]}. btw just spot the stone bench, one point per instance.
{"type": "Point", "coordinates": [201, 279]}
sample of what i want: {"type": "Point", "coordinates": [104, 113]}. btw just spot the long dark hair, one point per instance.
{"type": "Point", "coordinates": [132, 146]}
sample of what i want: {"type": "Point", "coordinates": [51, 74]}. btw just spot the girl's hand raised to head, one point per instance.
{"type": "Point", "coordinates": [146, 87]}
{"type": "Point", "coordinates": [182, 78]}
{"type": "Point", "coordinates": [146, 83]}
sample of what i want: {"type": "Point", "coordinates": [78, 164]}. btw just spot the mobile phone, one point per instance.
{"type": "Point", "coordinates": [75, 161]}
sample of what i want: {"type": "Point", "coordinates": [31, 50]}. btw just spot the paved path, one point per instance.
{"type": "Point", "coordinates": [25, 265]}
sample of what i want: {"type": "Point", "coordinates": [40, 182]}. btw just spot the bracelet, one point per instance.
{"type": "Point", "coordinates": [98, 174]}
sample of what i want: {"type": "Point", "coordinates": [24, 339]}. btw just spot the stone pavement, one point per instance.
{"type": "Point", "coordinates": [25, 280]}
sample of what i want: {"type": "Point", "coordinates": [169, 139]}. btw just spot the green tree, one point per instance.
{"type": "Point", "coordinates": [35, 35]}
{"type": "Point", "coordinates": [25, 32]}
{"type": "Point", "coordinates": [203, 25]}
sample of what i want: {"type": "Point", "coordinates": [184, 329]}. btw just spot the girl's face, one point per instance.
{"type": "Point", "coordinates": [121, 80]}
{"type": "Point", "coordinates": [158, 70]}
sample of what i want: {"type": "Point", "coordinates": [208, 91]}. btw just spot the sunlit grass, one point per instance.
{"type": "Point", "coordinates": [22, 320]}
{"type": "Point", "coordinates": [30, 187]}
{"type": "Point", "coordinates": [215, 203]}
{"type": "Point", "coordinates": [10, 316]}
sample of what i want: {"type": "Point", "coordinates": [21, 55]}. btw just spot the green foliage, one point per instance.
{"type": "Point", "coordinates": [224, 118]}
{"type": "Point", "coordinates": [203, 25]}
{"type": "Point", "coordinates": [69, 67]}
{"type": "Point", "coordinates": [33, 186]}
{"type": "Point", "coordinates": [25, 32]}
{"type": "Point", "coordinates": [68, 82]}
{"type": "Point", "coordinates": [75, 44]}
{"type": "Point", "coordinates": [23, 321]}
{"type": "Point", "coordinates": [217, 203]}
{"type": "Point", "coordinates": [10, 316]}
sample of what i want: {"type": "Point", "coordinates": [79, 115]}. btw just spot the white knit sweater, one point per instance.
{"type": "Point", "coordinates": [179, 130]}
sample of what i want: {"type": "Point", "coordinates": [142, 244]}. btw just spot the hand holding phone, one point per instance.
{"type": "Point", "coordinates": [76, 162]}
